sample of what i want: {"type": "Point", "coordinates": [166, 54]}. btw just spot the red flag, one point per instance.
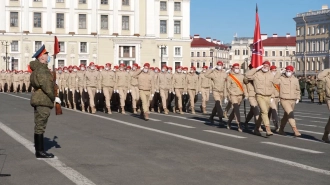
{"type": "Point", "coordinates": [258, 49]}
{"type": "Point", "coordinates": [56, 47]}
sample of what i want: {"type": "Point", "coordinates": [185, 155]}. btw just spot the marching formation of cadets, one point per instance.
{"type": "Point", "coordinates": [146, 89]}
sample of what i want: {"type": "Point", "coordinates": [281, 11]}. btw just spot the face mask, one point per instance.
{"type": "Point", "coordinates": [107, 69]}
{"type": "Point", "coordinates": [48, 59]}
{"type": "Point", "coordinates": [121, 69]}
{"type": "Point", "coordinates": [236, 71]}
{"type": "Point", "coordinates": [145, 70]}
{"type": "Point", "coordinates": [163, 70]}
{"type": "Point", "coordinates": [179, 71]}
{"type": "Point", "coordinates": [75, 70]}
{"type": "Point", "coordinates": [127, 70]}
{"type": "Point", "coordinates": [184, 72]}
{"type": "Point", "coordinates": [114, 70]}
{"type": "Point", "coordinates": [219, 67]}
{"type": "Point", "coordinates": [66, 71]}
{"type": "Point", "coordinates": [204, 71]}
{"type": "Point", "coordinates": [92, 68]}
{"type": "Point", "coordinates": [83, 69]}
{"type": "Point", "coordinates": [156, 71]}
{"type": "Point", "coordinates": [60, 72]}
{"type": "Point", "coordinates": [169, 71]}
{"type": "Point", "coordinates": [288, 74]}
{"type": "Point", "coordinates": [134, 68]}
{"type": "Point", "coordinates": [101, 70]}
{"type": "Point", "coordinates": [192, 71]}
{"type": "Point", "coordinates": [264, 70]}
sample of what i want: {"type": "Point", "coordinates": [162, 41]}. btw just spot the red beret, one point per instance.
{"type": "Point", "coordinates": [116, 67]}
{"type": "Point", "coordinates": [101, 67]}
{"type": "Point", "coordinates": [205, 67]}
{"type": "Point", "coordinates": [138, 67]}
{"type": "Point", "coordinates": [164, 66]}
{"type": "Point", "coordinates": [152, 68]}
{"type": "Point", "coordinates": [156, 68]}
{"type": "Point", "coordinates": [91, 63]}
{"type": "Point", "coordinates": [169, 68]}
{"type": "Point", "coordinates": [185, 68]}
{"type": "Point", "coordinates": [194, 68]}
{"type": "Point", "coordinates": [146, 65]}
{"type": "Point", "coordinates": [108, 64]}
{"type": "Point", "coordinates": [135, 64]}
{"type": "Point", "coordinates": [122, 65]}
{"type": "Point", "coordinates": [128, 67]}
{"type": "Point", "coordinates": [220, 63]}
{"type": "Point", "coordinates": [236, 64]}
{"type": "Point", "coordinates": [266, 62]}
{"type": "Point", "coordinates": [272, 67]}
{"type": "Point", "coordinates": [178, 67]}
{"type": "Point", "coordinates": [290, 68]}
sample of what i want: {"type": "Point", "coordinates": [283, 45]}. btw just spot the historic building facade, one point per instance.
{"type": "Point", "coordinates": [115, 31]}
{"type": "Point", "coordinates": [240, 51]}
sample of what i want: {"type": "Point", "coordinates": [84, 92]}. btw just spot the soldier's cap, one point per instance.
{"type": "Point", "coordinates": [205, 67]}
{"type": "Point", "coordinates": [136, 65]}
{"type": "Point", "coordinates": [164, 66]}
{"type": "Point", "coordinates": [108, 64]}
{"type": "Point", "coordinates": [146, 65]}
{"type": "Point", "coordinates": [236, 64]}
{"type": "Point", "coordinates": [40, 52]}
{"type": "Point", "coordinates": [272, 67]}
{"type": "Point", "coordinates": [266, 63]}
{"type": "Point", "coordinates": [220, 63]}
{"type": "Point", "coordinates": [169, 68]}
{"type": "Point", "coordinates": [289, 68]}
{"type": "Point", "coordinates": [185, 68]}
{"type": "Point", "coordinates": [192, 67]}
{"type": "Point", "coordinates": [128, 67]}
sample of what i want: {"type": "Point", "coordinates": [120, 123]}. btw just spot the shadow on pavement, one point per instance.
{"type": "Point", "coordinates": [48, 143]}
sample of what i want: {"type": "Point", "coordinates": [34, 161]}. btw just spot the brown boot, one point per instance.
{"type": "Point", "coordinates": [296, 132]}
{"type": "Point", "coordinates": [225, 114]}
{"type": "Point", "coordinates": [146, 116]}
{"type": "Point", "coordinates": [82, 108]}
{"type": "Point", "coordinates": [204, 110]}
{"type": "Point", "coordinates": [109, 110]}
{"type": "Point", "coordinates": [193, 110]}
{"type": "Point", "coordinates": [325, 137]}
{"type": "Point", "coordinates": [180, 111]}
{"type": "Point", "coordinates": [268, 131]}
{"type": "Point", "coordinates": [165, 111]}
{"type": "Point", "coordinates": [123, 110]}
{"type": "Point", "coordinates": [134, 111]}
{"type": "Point", "coordinates": [93, 110]}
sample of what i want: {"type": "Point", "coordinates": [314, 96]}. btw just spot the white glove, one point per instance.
{"type": "Point", "coordinates": [271, 100]}
{"type": "Point", "coordinates": [228, 71]}
{"type": "Point", "coordinates": [60, 90]}
{"type": "Point", "coordinates": [157, 91]}
{"type": "Point", "coordinates": [66, 88]}
{"type": "Point", "coordinates": [211, 92]}
{"type": "Point", "coordinates": [226, 101]}
{"type": "Point", "coordinates": [130, 90]}
{"type": "Point", "coordinates": [170, 92]}
{"type": "Point", "coordinates": [70, 89]}
{"type": "Point", "coordinates": [152, 95]}
{"type": "Point", "coordinates": [258, 68]}
{"type": "Point", "coordinates": [246, 98]}
{"type": "Point", "coordinates": [117, 91]}
{"type": "Point", "coordinates": [297, 101]}
{"type": "Point", "coordinates": [85, 90]}
{"type": "Point", "coordinates": [114, 91]}
{"type": "Point", "coordinates": [97, 91]}
{"type": "Point", "coordinates": [200, 92]}
{"type": "Point", "coordinates": [56, 81]}
{"type": "Point", "coordinates": [58, 100]}
{"type": "Point", "coordinates": [173, 92]}
{"type": "Point", "coordinates": [77, 91]}
{"type": "Point", "coordinates": [127, 91]}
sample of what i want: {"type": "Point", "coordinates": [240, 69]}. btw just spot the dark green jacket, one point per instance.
{"type": "Point", "coordinates": [302, 84]}
{"type": "Point", "coordinates": [42, 81]}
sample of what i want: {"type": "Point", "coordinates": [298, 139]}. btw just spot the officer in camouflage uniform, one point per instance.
{"type": "Point", "coordinates": [311, 82]}
{"type": "Point", "coordinates": [42, 99]}
{"type": "Point", "coordinates": [302, 84]}
{"type": "Point", "coordinates": [320, 85]}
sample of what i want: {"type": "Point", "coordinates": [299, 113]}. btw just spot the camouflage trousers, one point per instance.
{"type": "Point", "coordinates": [41, 115]}
{"type": "Point", "coordinates": [321, 96]}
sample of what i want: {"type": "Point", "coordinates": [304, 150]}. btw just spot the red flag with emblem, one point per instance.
{"type": "Point", "coordinates": [56, 47]}
{"type": "Point", "coordinates": [258, 49]}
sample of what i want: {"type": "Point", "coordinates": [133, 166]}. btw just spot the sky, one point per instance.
{"type": "Point", "coordinates": [222, 19]}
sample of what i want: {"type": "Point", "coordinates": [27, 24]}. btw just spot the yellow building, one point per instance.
{"type": "Point", "coordinates": [115, 31]}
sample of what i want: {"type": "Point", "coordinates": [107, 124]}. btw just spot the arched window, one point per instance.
{"type": "Point", "coordinates": [235, 52]}
{"type": "Point", "coordinates": [294, 64]}
{"type": "Point", "coordinates": [281, 64]}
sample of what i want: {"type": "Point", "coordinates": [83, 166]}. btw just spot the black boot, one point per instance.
{"type": "Point", "coordinates": [214, 112]}
{"type": "Point", "coordinates": [39, 146]}
{"type": "Point", "coordinates": [219, 111]}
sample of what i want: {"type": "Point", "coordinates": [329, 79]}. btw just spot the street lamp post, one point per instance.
{"type": "Point", "coordinates": [161, 52]}
{"type": "Point", "coordinates": [211, 50]}
{"type": "Point", "coordinates": [291, 56]}
{"type": "Point", "coordinates": [6, 58]}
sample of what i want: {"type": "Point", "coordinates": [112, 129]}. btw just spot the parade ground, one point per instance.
{"type": "Point", "coordinates": [166, 150]}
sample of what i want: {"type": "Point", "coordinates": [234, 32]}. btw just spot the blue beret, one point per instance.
{"type": "Point", "coordinates": [40, 51]}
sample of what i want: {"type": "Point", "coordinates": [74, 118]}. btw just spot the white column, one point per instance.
{"type": "Point", "coordinates": [136, 16]}
{"type": "Point", "coordinates": [94, 19]}
{"type": "Point", "coordinates": [71, 22]}
{"type": "Point", "coordinates": [3, 16]}
{"type": "Point", "coordinates": [170, 22]}
{"type": "Point", "coordinates": [130, 51]}
{"type": "Point", "coordinates": [186, 19]}
{"type": "Point", "coordinates": [150, 17]}
{"type": "Point", "coordinates": [115, 16]}
{"type": "Point", "coordinates": [49, 16]}
{"type": "Point", "coordinates": [122, 51]}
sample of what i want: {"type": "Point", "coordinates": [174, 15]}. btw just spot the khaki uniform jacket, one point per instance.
{"type": "Point", "coordinates": [16, 77]}
{"type": "Point", "coordinates": [179, 81]}
{"type": "Point", "coordinates": [3, 76]}
{"type": "Point", "coordinates": [27, 77]}
{"type": "Point", "coordinates": [21, 77]}
{"type": "Point", "coordinates": [249, 87]}
{"type": "Point", "coordinates": [289, 86]}
{"type": "Point", "coordinates": [204, 82]}
{"type": "Point", "coordinates": [107, 79]}
{"type": "Point", "coordinates": [73, 81]}
{"type": "Point", "coordinates": [65, 80]}
{"type": "Point", "coordinates": [9, 78]}
{"type": "Point", "coordinates": [164, 81]}
{"type": "Point", "coordinates": [134, 80]}
{"type": "Point", "coordinates": [232, 87]}
{"type": "Point", "coordinates": [192, 82]}
{"type": "Point", "coordinates": [325, 76]}
{"type": "Point", "coordinates": [80, 79]}
{"type": "Point", "coordinates": [91, 79]}
{"type": "Point", "coordinates": [145, 80]}
{"type": "Point", "coordinates": [122, 80]}
{"type": "Point", "coordinates": [218, 78]}
{"type": "Point", "coordinates": [263, 82]}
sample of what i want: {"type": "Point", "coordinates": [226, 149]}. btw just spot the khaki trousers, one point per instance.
{"type": "Point", "coordinates": [41, 115]}
{"type": "Point", "coordinates": [81, 91]}
{"type": "Point", "coordinates": [164, 97]}
{"type": "Point", "coordinates": [27, 85]}
{"type": "Point", "coordinates": [235, 100]}
{"type": "Point", "coordinates": [218, 96]}
{"type": "Point", "coordinates": [178, 94]}
{"type": "Point", "coordinates": [254, 110]}
{"type": "Point", "coordinates": [3, 82]}
{"type": "Point", "coordinates": [288, 107]}
{"type": "Point", "coordinates": [122, 95]}
{"type": "Point", "coordinates": [135, 96]}
{"type": "Point", "coordinates": [264, 104]}
{"type": "Point", "coordinates": [192, 93]}
{"type": "Point", "coordinates": [205, 96]}
{"type": "Point", "coordinates": [107, 91]}
{"type": "Point", "coordinates": [15, 86]}
{"type": "Point", "coordinates": [91, 92]}
{"type": "Point", "coordinates": [327, 127]}
{"type": "Point", "coordinates": [20, 86]}
{"type": "Point", "coordinates": [73, 91]}
{"type": "Point", "coordinates": [145, 96]}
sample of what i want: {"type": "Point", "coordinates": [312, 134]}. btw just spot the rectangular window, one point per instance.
{"type": "Point", "coordinates": [281, 64]}
{"type": "Point", "coordinates": [14, 45]}
{"type": "Point", "coordinates": [62, 46]}
{"type": "Point", "coordinates": [281, 53]}
{"type": "Point", "coordinates": [82, 21]}
{"type": "Point", "coordinates": [83, 62]}
{"type": "Point", "coordinates": [266, 53]}
{"type": "Point", "coordinates": [273, 53]}
{"type": "Point", "coordinates": [191, 64]}
{"type": "Point", "coordinates": [286, 63]}
{"type": "Point", "coordinates": [104, 1]}
{"type": "Point", "coordinates": [192, 54]}
{"type": "Point", "coordinates": [60, 1]}
{"type": "Point", "coordinates": [273, 63]}
{"type": "Point", "coordinates": [177, 51]}
{"type": "Point", "coordinates": [198, 54]}
{"type": "Point", "coordinates": [14, 64]}
{"type": "Point", "coordinates": [60, 63]}
{"type": "Point", "coordinates": [294, 52]}
{"type": "Point", "coordinates": [287, 53]}
{"type": "Point", "coordinates": [211, 54]}
{"type": "Point", "coordinates": [163, 26]}
{"type": "Point", "coordinates": [243, 51]}
{"type": "Point", "coordinates": [125, 23]}
{"type": "Point", "coordinates": [204, 54]}
{"type": "Point", "coordinates": [125, 2]}
{"type": "Point", "coordinates": [163, 6]}
{"type": "Point", "coordinates": [104, 22]}
{"type": "Point", "coordinates": [197, 65]}
{"type": "Point", "coordinates": [177, 6]}
{"type": "Point", "coordinates": [82, 1]}
{"type": "Point", "coordinates": [126, 51]}
{"type": "Point", "coordinates": [177, 27]}
{"type": "Point", "coordinates": [37, 45]}
{"type": "Point", "coordinates": [177, 64]}
{"type": "Point", "coordinates": [60, 20]}
{"type": "Point", "coordinates": [37, 20]}
{"type": "Point", "coordinates": [164, 50]}
{"type": "Point", "coordinates": [13, 19]}
{"type": "Point", "coordinates": [37, 0]}
{"type": "Point", "coordinates": [83, 47]}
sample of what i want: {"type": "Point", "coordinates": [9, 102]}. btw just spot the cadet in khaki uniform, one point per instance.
{"type": "Point", "coordinates": [27, 81]}
{"type": "Point", "coordinates": [192, 87]}
{"type": "Point", "coordinates": [2, 80]}
{"type": "Point", "coordinates": [122, 85]}
{"type": "Point", "coordinates": [73, 86]}
{"type": "Point", "coordinates": [90, 85]}
{"type": "Point", "coordinates": [290, 96]}
{"type": "Point", "coordinates": [9, 80]}
{"type": "Point", "coordinates": [107, 80]}
{"type": "Point", "coordinates": [80, 85]}
{"type": "Point", "coordinates": [16, 79]}
{"type": "Point", "coordinates": [218, 77]}
{"type": "Point", "coordinates": [311, 82]}
{"type": "Point", "coordinates": [236, 90]}
{"type": "Point", "coordinates": [171, 95]}
{"type": "Point", "coordinates": [163, 85]}
{"type": "Point", "coordinates": [263, 84]}
{"type": "Point", "coordinates": [273, 105]}
{"type": "Point", "coordinates": [134, 89]}
{"type": "Point", "coordinates": [179, 87]}
{"type": "Point", "coordinates": [204, 88]}
{"type": "Point", "coordinates": [65, 85]}
{"type": "Point", "coordinates": [146, 87]}
{"type": "Point", "coordinates": [320, 85]}
{"type": "Point", "coordinates": [325, 76]}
